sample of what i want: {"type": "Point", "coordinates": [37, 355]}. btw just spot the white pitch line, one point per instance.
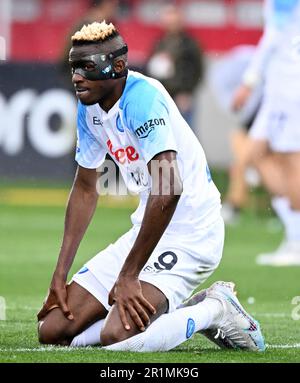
{"type": "Point", "coordinates": [51, 348]}
{"type": "Point", "coordinates": [283, 346]}
{"type": "Point", "coordinates": [263, 314]}
{"type": "Point", "coordinates": [74, 349]}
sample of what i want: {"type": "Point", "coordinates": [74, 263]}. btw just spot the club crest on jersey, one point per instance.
{"type": "Point", "coordinates": [119, 124]}
{"type": "Point", "coordinates": [144, 130]}
{"type": "Point", "coordinates": [190, 328]}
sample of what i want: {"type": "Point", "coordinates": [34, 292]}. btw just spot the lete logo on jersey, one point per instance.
{"type": "Point", "coordinates": [144, 130]}
{"type": "Point", "coordinates": [123, 155]}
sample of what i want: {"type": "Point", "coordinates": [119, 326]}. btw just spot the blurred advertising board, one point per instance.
{"type": "Point", "coordinates": [37, 122]}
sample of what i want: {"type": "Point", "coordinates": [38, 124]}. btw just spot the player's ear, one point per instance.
{"type": "Point", "coordinates": [119, 66]}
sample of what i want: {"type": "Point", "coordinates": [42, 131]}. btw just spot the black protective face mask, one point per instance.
{"type": "Point", "coordinates": [99, 66]}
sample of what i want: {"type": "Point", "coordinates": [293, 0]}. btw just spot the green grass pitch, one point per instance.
{"type": "Point", "coordinates": [30, 239]}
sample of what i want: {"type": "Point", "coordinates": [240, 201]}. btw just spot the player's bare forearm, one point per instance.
{"type": "Point", "coordinates": [80, 209]}
{"type": "Point", "coordinates": [158, 214]}
{"type": "Point", "coordinates": [161, 205]}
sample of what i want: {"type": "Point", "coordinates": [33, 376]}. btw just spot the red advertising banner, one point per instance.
{"type": "Point", "coordinates": [40, 28]}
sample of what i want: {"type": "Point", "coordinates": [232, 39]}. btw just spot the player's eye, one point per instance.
{"type": "Point", "coordinates": [86, 66]}
{"type": "Point", "coordinates": [89, 67]}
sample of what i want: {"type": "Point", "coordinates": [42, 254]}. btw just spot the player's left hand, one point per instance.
{"type": "Point", "coordinates": [127, 295]}
{"type": "Point", "coordinates": [54, 299]}
{"type": "Point", "coordinates": [49, 304]}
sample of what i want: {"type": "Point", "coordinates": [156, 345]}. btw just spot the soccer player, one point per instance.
{"type": "Point", "coordinates": [224, 77]}
{"type": "Point", "coordinates": [275, 134]}
{"type": "Point", "coordinates": [125, 298]}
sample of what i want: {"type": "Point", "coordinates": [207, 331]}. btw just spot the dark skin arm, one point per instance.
{"type": "Point", "coordinates": [127, 292]}
{"type": "Point", "coordinates": [80, 209]}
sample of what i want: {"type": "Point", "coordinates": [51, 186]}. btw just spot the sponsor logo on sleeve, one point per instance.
{"type": "Point", "coordinates": [144, 130]}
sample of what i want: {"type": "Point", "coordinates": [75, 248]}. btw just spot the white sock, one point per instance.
{"type": "Point", "coordinates": [90, 336]}
{"type": "Point", "coordinates": [289, 217]}
{"type": "Point", "coordinates": [170, 330]}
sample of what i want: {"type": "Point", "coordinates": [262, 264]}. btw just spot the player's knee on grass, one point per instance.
{"type": "Point", "coordinates": [113, 330]}
{"type": "Point", "coordinates": [56, 329]}
{"type": "Point", "coordinates": [48, 336]}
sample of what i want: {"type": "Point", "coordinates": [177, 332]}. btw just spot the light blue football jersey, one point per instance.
{"type": "Point", "coordinates": [143, 123]}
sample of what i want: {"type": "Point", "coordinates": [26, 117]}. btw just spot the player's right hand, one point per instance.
{"type": "Point", "coordinates": [128, 296]}
{"type": "Point", "coordinates": [57, 297]}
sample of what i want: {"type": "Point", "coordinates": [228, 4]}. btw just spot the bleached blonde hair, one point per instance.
{"type": "Point", "coordinates": [95, 32]}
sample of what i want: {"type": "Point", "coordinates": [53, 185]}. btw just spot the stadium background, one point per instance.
{"type": "Point", "coordinates": [37, 133]}
{"type": "Point", "coordinates": [37, 105]}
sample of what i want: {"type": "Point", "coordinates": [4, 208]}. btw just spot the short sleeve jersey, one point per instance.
{"type": "Point", "coordinates": [143, 123]}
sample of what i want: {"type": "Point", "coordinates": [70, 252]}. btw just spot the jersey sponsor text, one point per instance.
{"type": "Point", "coordinates": [144, 130]}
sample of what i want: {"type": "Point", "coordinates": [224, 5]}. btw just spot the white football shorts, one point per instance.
{"type": "Point", "coordinates": [278, 122]}
{"type": "Point", "coordinates": [177, 266]}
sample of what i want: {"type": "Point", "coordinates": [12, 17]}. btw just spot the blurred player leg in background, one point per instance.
{"type": "Point", "coordinates": [274, 153]}
{"type": "Point", "coordinates": [224, 77]}
{"type": "Point", "coordinates": [280, 174]}
{"type": "Point", "coordinates": [242, 176]}
{"type": "Point", "coordinates": [275, 133]}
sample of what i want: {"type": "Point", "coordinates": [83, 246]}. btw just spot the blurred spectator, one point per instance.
{"type": "Point", "coordinates": [177, 61]}
{"type": "Point", "coordinates": [224, 77]}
